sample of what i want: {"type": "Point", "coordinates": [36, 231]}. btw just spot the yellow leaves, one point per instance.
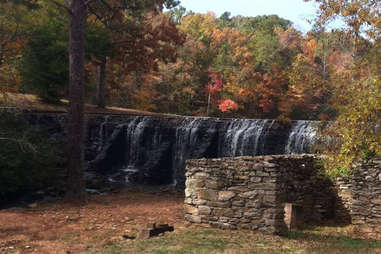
{"type": "Point", "coordinates": [355, 127]}
{"type": "Point", "coordinates": [143, 100]}
{"type": "Point", "coordinates": [309, 49]}
{"type": "Point", "coordinates": [12, 39]}
{"type": "Point", "coordinates": [334, 6]}
{"type": "Point", "coordinates": [285, 120]}
{"type": "Point", "coordinates": [231, 87]}
{"type": "Point", "coordinates": [9, 79]}
{"type": "Point", "coordinates": [360, 15]}
{"type": "Point", "coordinates": [219, 36]}
{"type": "Point", "coordinates": [353, 7]}
{"type": "Point", "coordinates": [198, 25]}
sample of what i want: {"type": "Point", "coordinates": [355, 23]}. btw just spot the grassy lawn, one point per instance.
{"type": "Point", "coordinates": [205, 241]}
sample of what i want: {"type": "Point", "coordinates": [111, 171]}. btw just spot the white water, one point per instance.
{"type": "Point", "coordinates": [150, 142]}
{"type": "Point", "coordinates": [302, 135]}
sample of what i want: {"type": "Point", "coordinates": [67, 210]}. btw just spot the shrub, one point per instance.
{"type": "Point", "coordinates": [28, 158]}
{"type": "Point", "coordinates": [45, 62]}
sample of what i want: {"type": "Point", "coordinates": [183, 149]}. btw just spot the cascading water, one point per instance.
{"type": "Point", "coordinates": [102, 133]}
{"type": "Point", "coordinates": [242, 137]}
{"type": "Point", "coordinates": [302, 136]}
{"type": "Point", "coordinates": [134, 131]}
{"type": "Point", "coordinates": [154, 150]}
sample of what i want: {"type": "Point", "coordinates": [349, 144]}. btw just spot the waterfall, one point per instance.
{"type": "Point", "coordinates": [133, 135]}
{"type": "Point", "coordinates": [154, 150]}
{"type": "Point", "coordinates": [242, 137]}
{"type": "Point", "coordinates": [302, 136]}
{"type": "Point", "coordinates": [102, 133]}
{"type": "Point", "coordinates": [184, 143]}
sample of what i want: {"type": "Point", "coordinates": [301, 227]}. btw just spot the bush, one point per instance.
{"type": "Point", "coordinates": [45, 62]}
{"type": "Point", "coordinates": [44, 65]}
{"type": "Point", "coordinates": [28, 158]}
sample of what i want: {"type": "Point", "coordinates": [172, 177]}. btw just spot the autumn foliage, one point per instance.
{"type": "Point", "coordinates": [227, 105]}
{"type": "Point", "coordinates": [198, 64]}
{"type": "Point", "coordinates": [143, 56]}
{"type": "Point", "coordinates": [355, 80]}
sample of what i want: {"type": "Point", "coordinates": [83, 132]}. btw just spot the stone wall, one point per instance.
{"type": "Point", "coordinates": [366, 195]}
{"type": "Point", "coordinates": [343, 205]}
{"type": "Point", "coordinates": [304, 184]}
{"type": "Point", "coordinates": [251, 192]}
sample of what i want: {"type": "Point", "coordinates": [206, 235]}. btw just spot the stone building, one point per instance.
{"type": "Point", "coordinates": [274, 193]}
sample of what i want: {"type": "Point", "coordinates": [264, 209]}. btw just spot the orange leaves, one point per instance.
{"type": "Point", "coordinates": [266, 74]}
{"type": "Point", "coordinates": [266, 104]}
{"type": "Point", "coordinates": [306, 83]}
{"type": "Point", "coordinates": [142, 99]}
{"type": "Point", "coordinates": [227, 105]}
{"type": "Point", "coordinates": [237, 42]}
{"type": "Point", "coordinates": [270, 89]}
{"type": "Point", "coordinates": [340, 60]}
{"type": "Point", "coordinates": [152, 39]}
{"type": "Point", "coordinates": [361, 16]}
{"type": "Point", "coordinates": [289, 38]}
{"type": "Point", "coordinates": [141, 45]}
{"type": "Point", "coordinates": [309, 49]}
{"type": "Point", "coordinates": [220, 35]}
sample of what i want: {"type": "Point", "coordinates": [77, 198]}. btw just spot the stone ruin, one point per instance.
{"type": "Point", "coordinates": [273, 194]}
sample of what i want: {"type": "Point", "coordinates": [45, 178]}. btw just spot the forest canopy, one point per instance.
{"type": "Point", "coordinates": [141, 55]}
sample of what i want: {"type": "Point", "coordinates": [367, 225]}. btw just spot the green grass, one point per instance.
{"type": "Point", "coordinates": [214, 241]}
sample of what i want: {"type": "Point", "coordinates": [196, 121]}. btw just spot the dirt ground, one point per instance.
{"type": "Point", "coordinates": [106, 222]}
{"type": "Point", "coordinates": [62, 228]}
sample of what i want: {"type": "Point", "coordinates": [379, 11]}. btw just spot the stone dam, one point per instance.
{"type": "Point", "coordinates": [153, 150]}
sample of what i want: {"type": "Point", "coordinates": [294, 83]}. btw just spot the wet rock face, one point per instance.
{"type": "Point", "coordinates": [152, 150]}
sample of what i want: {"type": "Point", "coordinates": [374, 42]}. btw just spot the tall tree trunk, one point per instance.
{"type": "Point", "coordinates": [75, 177]}
{"type": "Point", "coordinates": [101, 85]}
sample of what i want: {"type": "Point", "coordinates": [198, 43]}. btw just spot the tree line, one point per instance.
{"type": "Point", "coordinates": [135, 54]}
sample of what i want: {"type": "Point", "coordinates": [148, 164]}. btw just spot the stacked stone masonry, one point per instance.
{"type": "Point", "coordinates": [366, 198]}
{"type": "Point", "coordinates": [343, 206]}
{"type": "Point", "coordinates": [252, 192]}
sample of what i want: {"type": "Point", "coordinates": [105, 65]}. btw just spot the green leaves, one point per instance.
{"type": "Point", "coordinates": [28, 158]}
{"type": "Point", "coordinates": [45, 62]}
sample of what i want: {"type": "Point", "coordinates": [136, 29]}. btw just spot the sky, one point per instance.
{"type": "Point", "coordinates": [296, 11]}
